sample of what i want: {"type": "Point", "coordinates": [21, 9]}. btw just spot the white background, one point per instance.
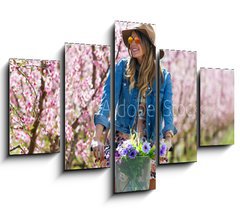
{"type": "Point", "coordinates": [37, 186]}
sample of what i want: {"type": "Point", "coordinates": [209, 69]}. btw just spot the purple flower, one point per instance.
{"type": "Point", "coordinates": [118, 158]}
{"type": "Point", "coordinates": [123, 152]}
{"type": "Point", "coordinates": [146, 147]}
{"type": "Point", "coordinates": [119, 149]}
{"type": "Point", "coordinates": [117, 155]}
{"type": "Point", "coordinates": [163, 149]}
{"type": "Point", "coordinates": [129, 147]}
{"type": "Point", "coordinates": [132, 153]}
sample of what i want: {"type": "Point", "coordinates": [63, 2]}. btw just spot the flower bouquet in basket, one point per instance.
{"type": "Point", "coordinates": [133, 163]}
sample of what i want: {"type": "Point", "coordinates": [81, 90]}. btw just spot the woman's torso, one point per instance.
{"type": "Point", "coordinates": [128, 104]}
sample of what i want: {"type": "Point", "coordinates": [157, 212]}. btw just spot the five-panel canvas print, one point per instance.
{"type": "Point", "coordinates": [132, 116]}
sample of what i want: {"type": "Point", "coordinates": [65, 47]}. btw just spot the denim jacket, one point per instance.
{"type": "Point", "coordinates": [127, 103]}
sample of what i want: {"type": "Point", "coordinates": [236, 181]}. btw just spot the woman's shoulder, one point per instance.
{"type": "Point", "coordinates": [165, 73]}
{"type": "Point", "coordinates": [122, 62]}
{"type": "Point", "coordinates": [121, 66]}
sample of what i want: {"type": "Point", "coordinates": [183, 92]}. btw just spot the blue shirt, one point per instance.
{"type": "Point", "coordinates": [127, 103]}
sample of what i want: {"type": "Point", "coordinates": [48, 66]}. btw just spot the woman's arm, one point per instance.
{"type": "Point", "coordinates": [169, 128]}
{"type": "Point", "coordinates": [101, 117]}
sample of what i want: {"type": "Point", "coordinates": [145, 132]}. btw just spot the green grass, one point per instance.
{"type": "Point", "coordinates": [228, 137]}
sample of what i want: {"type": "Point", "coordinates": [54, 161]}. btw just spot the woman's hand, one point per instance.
{"type": "Point", "coordinates": [168, 140]}
{"type": "Point", "coordinates": [97, 147]}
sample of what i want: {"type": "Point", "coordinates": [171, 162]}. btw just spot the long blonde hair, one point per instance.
{"type": "Point", "coordinates": [147, 68]}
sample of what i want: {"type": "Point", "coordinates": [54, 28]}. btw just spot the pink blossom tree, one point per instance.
{"type": "Point", "coordinates": [34, 106]}
{"type": "Point", "coordinates": [182, 66]}
{"type": "Point", "coordinates": [86, 68]}
{"type": "Point", "coordinates": [217, 106]}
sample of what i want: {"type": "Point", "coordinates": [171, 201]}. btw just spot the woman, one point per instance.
{"type": "Point", "coordinates": [135, 93]}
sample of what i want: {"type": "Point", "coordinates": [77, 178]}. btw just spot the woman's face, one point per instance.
{"type": "Point", "coordinates": [137, 50]}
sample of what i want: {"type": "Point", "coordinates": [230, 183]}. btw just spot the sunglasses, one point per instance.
{"type": "Point", "coordinates": [131, 39]}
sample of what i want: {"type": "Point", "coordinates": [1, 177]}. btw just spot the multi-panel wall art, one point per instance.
{"type": "Point", "coordinates": [216, 106]}
{"type": "Point", "coordinates": [34, 106]}
{"type": "Point", "coordinates": [178, 139]}
{"type": "Point", "coordinates": [87, 71]}
{"type": "Point", "coordinates": [135, 102]}
{"type": "Point", "coordinates": [100, 118]}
